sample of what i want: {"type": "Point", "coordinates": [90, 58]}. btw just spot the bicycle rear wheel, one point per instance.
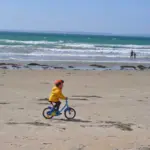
{"type": "Point", "coordinates": [70, 113]}
{"type": "Point", "coordinates": [47, 113]}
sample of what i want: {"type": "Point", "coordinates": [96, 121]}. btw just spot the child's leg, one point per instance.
{"type": "Point", "coordinates": [57, 105]}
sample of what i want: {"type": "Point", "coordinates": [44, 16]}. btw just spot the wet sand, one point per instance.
{"type": "Point", "coordinates": [112, 110]}
{"type": "Point", "coordinates": [74, 66]}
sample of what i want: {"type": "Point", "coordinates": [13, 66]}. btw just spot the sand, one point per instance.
{"type": "Point", "coordinates": [113, 110]}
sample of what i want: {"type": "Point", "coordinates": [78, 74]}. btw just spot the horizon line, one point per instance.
{"type": "Point", "coordinates": [76, 33]}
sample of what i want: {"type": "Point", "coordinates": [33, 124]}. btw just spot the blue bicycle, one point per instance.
{"type": "Point", "coordinates": [50, 112]}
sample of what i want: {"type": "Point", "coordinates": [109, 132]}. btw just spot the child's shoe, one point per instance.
{"type": "Point", "coordinates": [54, 113]}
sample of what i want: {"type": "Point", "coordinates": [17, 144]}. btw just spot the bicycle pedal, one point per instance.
{"type": "Point", "coordinates": [58, 114]}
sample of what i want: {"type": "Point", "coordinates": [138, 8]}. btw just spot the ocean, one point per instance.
{"type": "Point", "coordinates": [17, 46]}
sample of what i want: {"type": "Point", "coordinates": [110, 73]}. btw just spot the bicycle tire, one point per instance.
{"type": "Point", "coordinates": [70, 110]}
{"type": "Point", "coordinates": [46, 116]}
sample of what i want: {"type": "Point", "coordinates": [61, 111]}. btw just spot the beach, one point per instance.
{"type": "Point", "coordinates": [112, 110]}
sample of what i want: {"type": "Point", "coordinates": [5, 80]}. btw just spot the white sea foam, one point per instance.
{"type": "Point", "coordinates": [78, 45]}
{"type": "Point", "coordinates": [45, 49]}
{"type": "Point", "coordinates": [27, 42]}
{"type": "Point", "coordinates": [58, 55]}
{"type": "Point", "coordinates": [61, 44]}
{"type": "Point", "coordinates": [98, 50]}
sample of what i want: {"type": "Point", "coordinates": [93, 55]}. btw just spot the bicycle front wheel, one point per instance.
{"type": "Point", "coordinates": [70, 113]}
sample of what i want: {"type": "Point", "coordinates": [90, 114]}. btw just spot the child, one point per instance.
{"type": "Point", "coordinates": [56, 95]}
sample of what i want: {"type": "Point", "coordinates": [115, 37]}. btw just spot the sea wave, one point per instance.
{"type": "Point", "coordinates": [26, 42]}
{"type": "Point", "coordinates": [71, 45]}
{"type": "Point", "coordinates": [58, 55]}
{"type": "Point", "coordinates": [103, 51]}
{"type": "Point", "coordinates": [49, 50]}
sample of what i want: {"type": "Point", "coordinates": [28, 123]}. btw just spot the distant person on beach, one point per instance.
{"type": "Point", "coordinates": [131, 54]}
{"type": "Point", "coordinates": [134, 55]}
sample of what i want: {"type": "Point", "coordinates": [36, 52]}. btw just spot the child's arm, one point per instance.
{"type": "Point", "coordinates": [61, 96]}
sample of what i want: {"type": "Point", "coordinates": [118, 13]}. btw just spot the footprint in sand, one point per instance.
{"type": "Point", "coordinates": [29, 123]}
{"type": "Point", "coordinates": [3, 103]}
{"type": "Point", "coordinates": [79, 99]}
{"type": "Point", "coordinates": [144, 148]}
{"type": "Point", "coordinates": [43, 99]}
{"type": "Point", "coordinates": [43, 103]}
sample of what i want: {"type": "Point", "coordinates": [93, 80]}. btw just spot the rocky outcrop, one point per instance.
{"type": "Point", "coordinates": [141, 67]}
{"type": "Point", "coordinates": [5, 65]}
{"type": "Point", "coordinates": [58, 67]}
{"type": "Point", "coordinates": [39, 65]}
{"type": "Point", "coordinates": [128, 67]}
{"type": "Point", "coordinates": [70, 67]}
{"type": "Point", "coordinates": [98, 66]}
{"type": "Point", "coordinates": [34, 64]}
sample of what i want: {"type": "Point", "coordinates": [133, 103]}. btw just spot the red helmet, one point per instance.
{"type": "Point", "coordinates": [57, 82]}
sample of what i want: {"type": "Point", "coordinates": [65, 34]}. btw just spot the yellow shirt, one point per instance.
{"type": "Point", "coordinates": [56, 94]}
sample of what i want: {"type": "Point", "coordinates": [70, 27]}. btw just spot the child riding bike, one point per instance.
{"type": "Point", "coordinates": [56, 95]}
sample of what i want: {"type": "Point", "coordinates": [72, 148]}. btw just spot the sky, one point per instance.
{"type": "Point", "coordinates": [97, 16]}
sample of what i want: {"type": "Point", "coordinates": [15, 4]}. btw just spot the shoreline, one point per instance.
{"type": "Point", "coordinates": [73, 66]}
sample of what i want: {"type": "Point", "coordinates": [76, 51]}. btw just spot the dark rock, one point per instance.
{"type": "Point", "coordinates": [40, 65]}
{"type": "Point", "coordinates": [9, 64]}
{"type": "Point", "coordinates": [16, 66]}
{"type": "Point", "coordinates": [70, 67]}
{"type": "Point", "coordinates": [2, 64]}
{"type": "Point", "coordinates": [3, 67]}
{"type": "Point", "coordinates": [76, 69]}
{"type": "Point", "coordinates": [34, 64]}
{"type": "Point", "coordinates": [98, 66]}
{"type": "Point", "coordinates": [58, 67]}
{"type": "Point", "coordinates": [141, 67]}
{"type": "Point", "coordinates": [128, 67]}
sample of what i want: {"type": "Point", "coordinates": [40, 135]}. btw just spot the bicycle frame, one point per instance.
{"type": "Point", "coordinates": [66, 107]}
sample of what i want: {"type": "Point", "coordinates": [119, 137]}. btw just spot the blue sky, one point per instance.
{"type": "Point", "coordinates": [99, 16]}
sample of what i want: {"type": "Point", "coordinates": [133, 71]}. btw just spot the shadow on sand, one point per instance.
{"type": "Point", "coordinates": [3, 103]}
{"type": "Point", "coordinates": [36, 123]}
{"type": "Point", "coordinates": [73, 120]}
{"type": "Point", "coordinates": [87, 96]}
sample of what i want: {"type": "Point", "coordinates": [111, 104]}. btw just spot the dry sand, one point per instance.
{"type": "Point", "coordinates": [113, 110]}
